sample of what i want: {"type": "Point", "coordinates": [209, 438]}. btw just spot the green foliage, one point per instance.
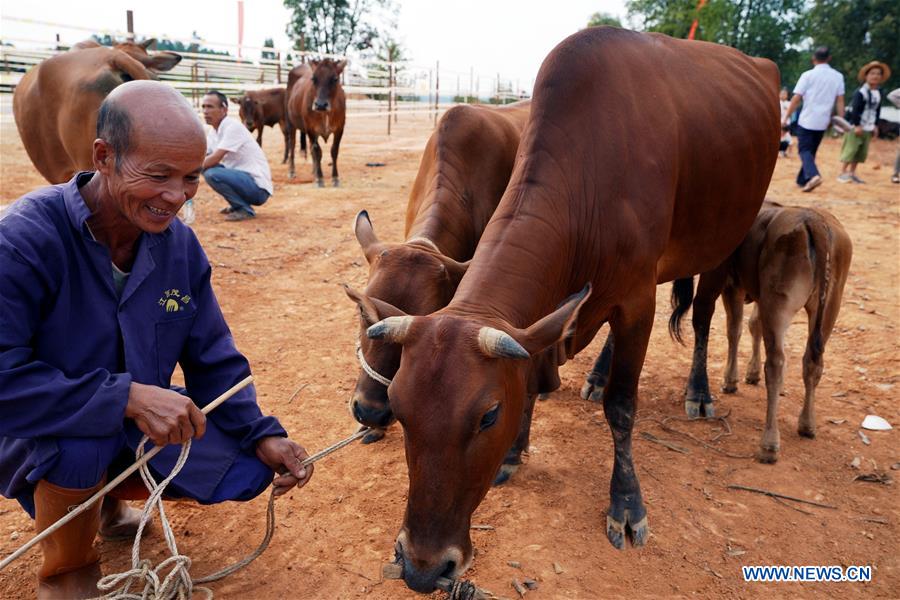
{"type": "Point", "coordinates": [771, 29]}
{"type": "Point", "coordinates": [335, 26]}
{"type": "Point", "coordinates": [164, 44]}
{"type": "Point", "coordinates": [602, 18]}
{"type": "Point", "coordinates": [858, 31]}
{"type": "Point", "coordinates": [267, 55]}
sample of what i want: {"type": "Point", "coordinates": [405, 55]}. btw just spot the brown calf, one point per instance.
{"type": "Point", "coordinates": [316, 107]}
{"type": "Point", "coordinates": [792, 258]}
{"type": "Point", "coordinates": [464, 171]}
{"type": "Point", "coordinates": [56, 102]}
{"type": "Point", "coordinates": [263, 108]}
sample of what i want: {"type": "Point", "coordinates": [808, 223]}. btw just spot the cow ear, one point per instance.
{"type": "Point", "coordinates": [313, 64]}
{"type": "Point", "coordinates": [455, 270]}
{"type": "Point", "coordinates": [557, 326]}
{"type": "Point", "coordinates": [365, 235]}
{"type": "Point", "coordinates": [236, 99]}
{"type": "Point", "coordinates": [163, 61]}
{"type": "Point", "coordinates": [147, 43]}
{"type": "Point", "coordinates": [339, 67]}
{"type": "Point", "coordinates": [372, 310]}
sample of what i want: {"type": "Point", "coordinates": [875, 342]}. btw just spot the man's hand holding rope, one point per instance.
{"type": "Point", "coordinates": [284, 456]}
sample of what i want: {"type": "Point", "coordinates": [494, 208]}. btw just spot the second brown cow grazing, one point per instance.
{"type": "Point", "coordinates": [464, 170]}
{"type": "Point", "coordinates": [792, 258]}
{"type": "Point", "coordinates": [317, 107]}
{"type": "Point", "coordinates": [56, 102]}
{"type": "Point", "coordinates": [264, 108]}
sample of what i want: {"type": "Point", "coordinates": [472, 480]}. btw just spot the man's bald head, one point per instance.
{"type": "Point", "coordinates": [138, 107]}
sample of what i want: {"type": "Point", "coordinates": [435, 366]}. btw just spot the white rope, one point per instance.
{"type": "Point", "coordinates": [177, 583]}
{"type": "Point", "coordinates": [369, 370]}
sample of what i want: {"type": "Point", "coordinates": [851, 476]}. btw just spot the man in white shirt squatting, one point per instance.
{"type": "Point", "coordinates": [235, 165]}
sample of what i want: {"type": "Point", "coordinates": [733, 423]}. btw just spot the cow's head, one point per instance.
{"type": "Point", "coordinates": [326, 81]}
{"type": "Point", "coordinates": [411, 278]}
{"type": "Point", "coordinates": [159, 61]}
{"type": "Point", "coordinates": [459, 394]}
{"type": "Point", "coordinates": [250, 109]}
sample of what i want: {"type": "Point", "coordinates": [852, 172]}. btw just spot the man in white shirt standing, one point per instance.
{"type": "Point", "coordinates": [235, 166]}
{"type": "Point", "coordinates": [821, 89]}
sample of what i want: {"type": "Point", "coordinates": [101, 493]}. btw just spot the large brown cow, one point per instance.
{"type": "Point", "coordinates": [627, 177]}
{"type": "Point", "coordinates": [463, 173]}
{"type": "Point", "coordinates": [317, 107]}
{"type": "Point", "coordinates": [792, 258]}
{"type": "Point", "coordinates": [56, 102]}
{"type": "Point", "coordinates": [264, 108]}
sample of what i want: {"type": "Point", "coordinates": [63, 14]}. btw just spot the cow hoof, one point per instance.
{"type": "Point", "coordinates": [320, 183]}
{"type": "Point", "coordinates": [336, 182]}
{"type": "Point", "coordinates": [543, 397]}
{"type": "Point", "coordinates": [692, 409]}
{"type": "Point", "coordinates": [807, 431]}
{"type": "Point", "coordinates": [592, 391]}
{"type": "Point", "coordinates": [729, 388]}
{"type": "Point", "coordinates": [631, 527]}
{"type": "Point", "coordinates": [698, 406]}
{"type": "Point", "coordinates": [767, 455]}
{"type": "Point", "coordinates": [373, 436]}
{"type": "Point", "coordinates": [291, 176]}
{"type": "Point", "coordinates": [505, 472]}
{"type": "Point", "coordinates": [752, 379]}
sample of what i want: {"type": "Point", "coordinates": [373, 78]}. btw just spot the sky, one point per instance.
{"type": "Point", "coordinates": [505, 37]}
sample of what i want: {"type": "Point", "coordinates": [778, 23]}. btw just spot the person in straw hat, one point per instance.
{"type": "Point", "coordinates": [102, 293]}
{"type": "Point", "coordinates": [865, 107]}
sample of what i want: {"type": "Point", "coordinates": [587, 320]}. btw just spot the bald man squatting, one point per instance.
{"type": "Point", "coordinates": [102, 292]}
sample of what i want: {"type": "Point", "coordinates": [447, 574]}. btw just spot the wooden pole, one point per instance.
{"type": "Point", "coordinates": [471, 83]}
{"type": "Point", "coordinates": [278, 67]}
{"type": "Point", "coordinates": [129, 17]}
{"type": "Point", "coordinates": [437, 89]}
{"type": "Point", "coordinates": [390, 93]}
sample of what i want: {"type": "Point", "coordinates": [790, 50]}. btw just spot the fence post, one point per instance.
{"type": "Point", "coordinates": [129, 18]}
{"type": "Point", "coordinates": [471, 83]}
{"type": "Point", "coordinates": [430, 82]}
{"type": "Point", "coordinates": [390, 93]}
{"type": "Point", "coordinates": [278, 68]}
{"type": "Point", "coordinates": [437, 89]}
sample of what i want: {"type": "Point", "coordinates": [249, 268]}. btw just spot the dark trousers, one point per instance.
{"type": "Point", "coordinates": [238, 187]}
{"type": "Point", "coordinates": [808, 141]}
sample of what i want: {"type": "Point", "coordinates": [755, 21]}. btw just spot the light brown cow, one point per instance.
{"type": "Point", "coordinates": [56, 102]}
{"type": "Point", "coordinates": [792, 258]}
{"type": "Point", "coordinates": [463, 173]}
{"type": "Point", "coordinates": [626, 178]}
{"type": "Point", "coordinates": [261, 108]}
{"type": "Point", "coordinates": [317, 107]}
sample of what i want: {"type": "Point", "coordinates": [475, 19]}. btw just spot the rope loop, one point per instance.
{"type": "Point", "coordinates": [369, 370]}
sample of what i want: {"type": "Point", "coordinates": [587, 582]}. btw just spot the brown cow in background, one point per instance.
{"type": "Point", "coordinates": [464, 171]}
{"type": "Point", "coordinates": [792, 258]}
{"type": "Point", "coordinates": [317, 107]}
{"type": "Point", "coordinates": [56, 102]}
{"type": "Point", "coordinates": [262, 108]}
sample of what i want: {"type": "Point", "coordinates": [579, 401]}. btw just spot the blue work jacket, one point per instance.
{"type": "Point", "coordinates": [70, 347]}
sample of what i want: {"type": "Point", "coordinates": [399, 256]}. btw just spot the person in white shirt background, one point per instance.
{"type": "Point", "coordinates": [821, 89]}
{"type": "Point", "coordinates": [235, 166]}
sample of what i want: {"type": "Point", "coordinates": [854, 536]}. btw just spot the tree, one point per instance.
{"type": "Point", "coordinates": [335, 26]}
{"type": "Point", "coordinates": [267, 55]}
{"type": "Point", "coordinates": [856, 32]}
{"type": "Point", "coordinates": [771, 29]}
{"type": "Point", "coordinates": [602, 18]}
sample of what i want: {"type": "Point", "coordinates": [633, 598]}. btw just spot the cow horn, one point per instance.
{"type": "Point", "coordinates": [392, 329]}
{"type": "Point", "coordinates": [497, 344]}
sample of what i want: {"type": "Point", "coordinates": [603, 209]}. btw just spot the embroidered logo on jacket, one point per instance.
{"type": "Point", "coordinates": [173, 301]}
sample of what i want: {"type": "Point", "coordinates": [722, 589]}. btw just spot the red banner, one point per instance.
{"type": "Point", "coordinates": [693, 30]}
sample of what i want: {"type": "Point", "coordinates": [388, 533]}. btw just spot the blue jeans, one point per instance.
{"type": "Point", "coordinates": [237, 187]}
{"type": "Point", "coordinates": [808, 141]}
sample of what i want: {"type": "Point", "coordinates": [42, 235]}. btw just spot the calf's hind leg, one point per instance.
{"type": "Point", "coordinates": [752, 376]}
{"type": "Point", "coordinates": [774, 320]}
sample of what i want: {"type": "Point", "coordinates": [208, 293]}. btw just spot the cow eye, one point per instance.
{"type": "Point", "coordinates": [490, 418]}
{"type": "Point", "coordinates": [334, 80]}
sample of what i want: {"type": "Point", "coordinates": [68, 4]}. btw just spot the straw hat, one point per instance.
{"type": "Point", "coordinates": [885, 70]}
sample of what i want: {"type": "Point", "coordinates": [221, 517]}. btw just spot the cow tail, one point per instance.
{"type": "Point", "coordinates": [682, 296]}
{"type": "Point", "coordinates": [820, 238]}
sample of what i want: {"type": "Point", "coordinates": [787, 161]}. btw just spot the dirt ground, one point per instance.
{"type": "Point", "coordinates": [278, 281]}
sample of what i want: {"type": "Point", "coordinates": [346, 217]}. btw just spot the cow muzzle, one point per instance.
{"type": "Point", "coordinates": [421, 576]}
{"type": "Point", "coordinates": [368, 414]}
{"type": "Point", "coordinates": [321, 106]}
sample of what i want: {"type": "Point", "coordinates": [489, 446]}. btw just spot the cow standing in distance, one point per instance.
{"type": "Point", "coordinates": [626, 178]}
{"type": "Point", "coordinates": [463, 173]}
{"type": "Point", "coordinates": [792, 258]}
{"type": "Point", "coordinates": [55, 104]}
{"type": "Point", "coordinates": [317, 108]}
{"type": "Point", "coordinates": [262, 108]}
